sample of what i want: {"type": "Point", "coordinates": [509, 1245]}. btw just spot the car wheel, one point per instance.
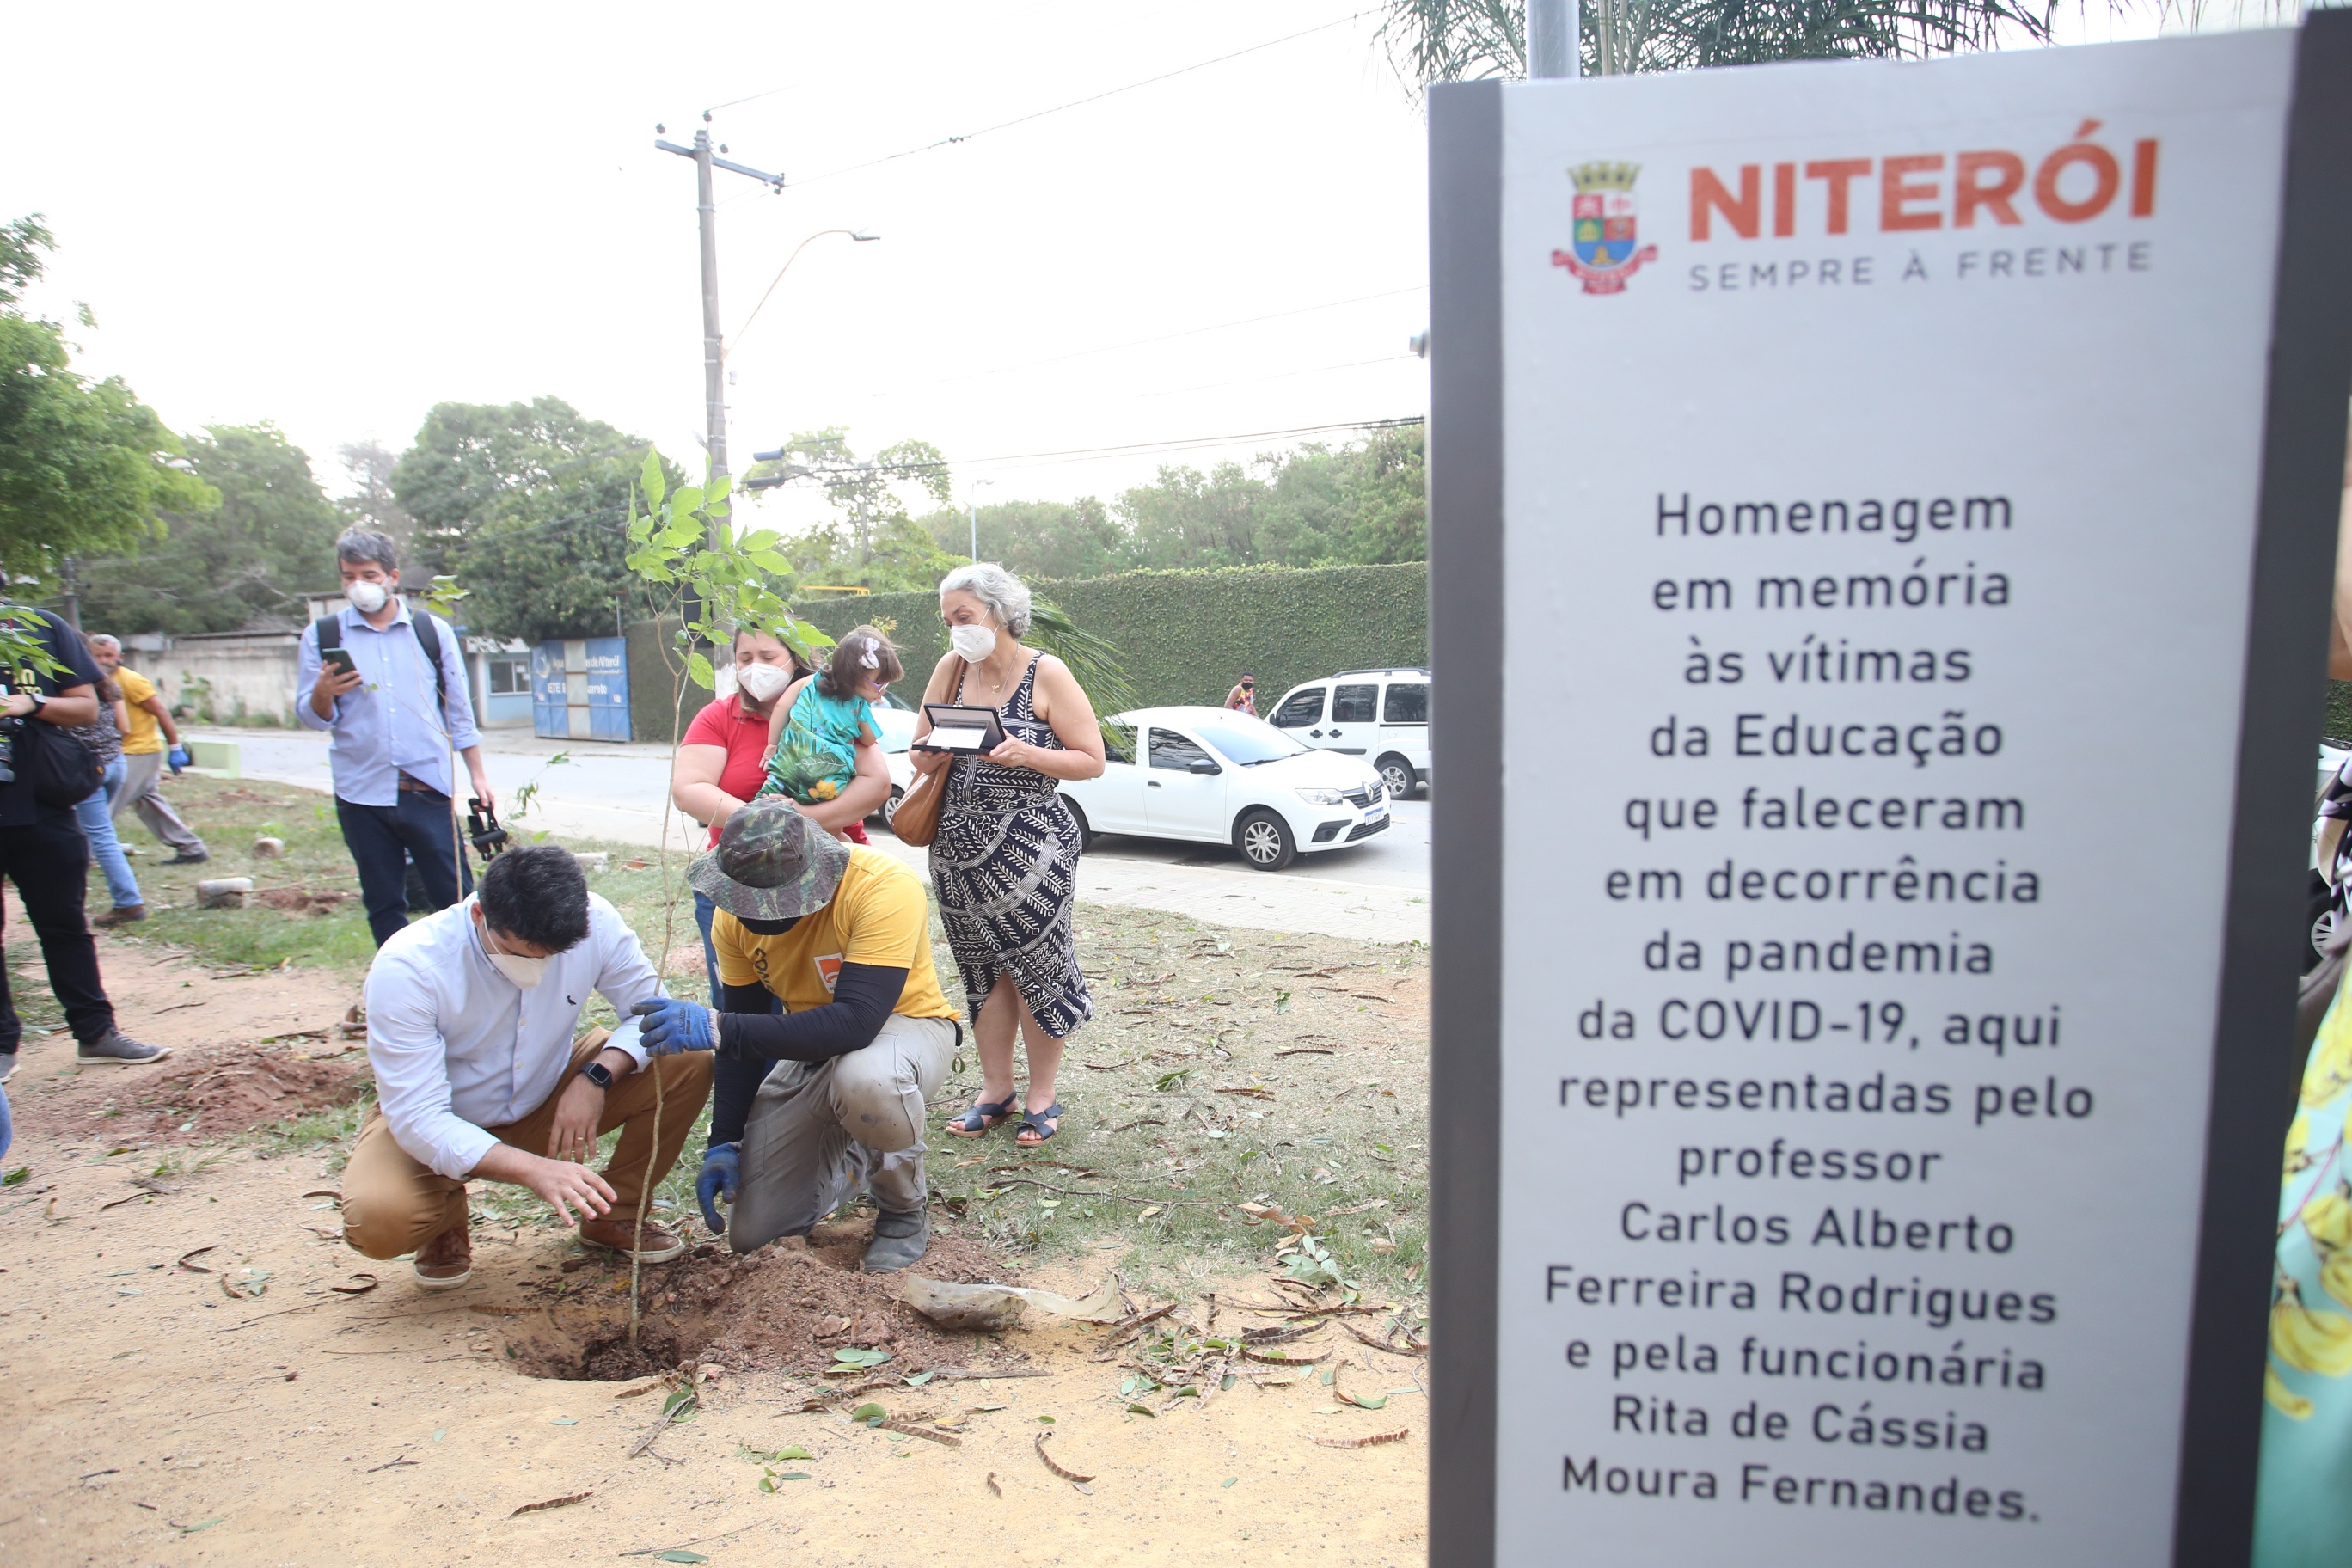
{"type": "Point", "coordinates": [1398, 775]}
{"type": "Point", "coordinates": [890, 806]}
{"type": "Point", "coordinates": [1264, 841]}
{"type": "Point", "coordinates": [1085, 832]}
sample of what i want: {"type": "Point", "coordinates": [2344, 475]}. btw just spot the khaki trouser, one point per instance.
{"type": "Point", "coordinates": [820, 1131]}
{"type": "Point", "coordinates": [142, 791]}
{"type": "Point", "coordinates": [394, 1205]}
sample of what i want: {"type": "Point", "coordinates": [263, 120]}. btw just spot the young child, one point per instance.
{"type": "Point", "coordinates": [812, 745]}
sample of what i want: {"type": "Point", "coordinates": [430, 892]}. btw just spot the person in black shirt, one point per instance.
{"type": "Point", "coordinates": [42, 850]}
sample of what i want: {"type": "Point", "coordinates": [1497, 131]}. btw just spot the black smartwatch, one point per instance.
{"type": "Point", "coordinates": [597, 1073]}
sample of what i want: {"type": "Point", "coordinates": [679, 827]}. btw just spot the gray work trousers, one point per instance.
{"type": "Point", "coordinates": [819, 1131]}
{"type": "Point", "coordinates": [142, 791]}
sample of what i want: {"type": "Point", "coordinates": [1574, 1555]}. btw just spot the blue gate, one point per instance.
{"type": "Point", "coordinates": [580, 689]}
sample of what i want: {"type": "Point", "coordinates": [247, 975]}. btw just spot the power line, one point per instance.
{"type": "Point", "coordinates": [1134, 448]}
{"type": "Point", "coordinates": [1074, 103]}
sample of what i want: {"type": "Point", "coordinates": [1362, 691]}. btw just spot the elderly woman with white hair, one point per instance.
{"type": "Point", "coordinates": [1006, 858]}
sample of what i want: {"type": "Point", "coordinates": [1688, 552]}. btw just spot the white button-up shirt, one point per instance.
{"type": "Point", "coordinates": [459, 1048]}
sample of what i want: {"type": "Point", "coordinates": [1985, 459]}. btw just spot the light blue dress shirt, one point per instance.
{"type": "Point", "coordinates": [389, 726]}
{"type": "Point", "coordinates": [457, 1047]}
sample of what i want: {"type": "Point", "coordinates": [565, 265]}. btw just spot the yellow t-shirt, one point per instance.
{"type": "Point", "coordinates": [146, 736]}
{"type": "Point", "coordinates": [879, 916]}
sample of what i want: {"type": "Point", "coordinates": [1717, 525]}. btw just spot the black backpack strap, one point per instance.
{"type": "Point", "coordinates": [428, 638]}
{"type": "Point", "coordinates": [331, 631]}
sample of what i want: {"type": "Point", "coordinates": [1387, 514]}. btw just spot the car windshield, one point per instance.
{"type": "Point", "coordinates": [1248, 742]}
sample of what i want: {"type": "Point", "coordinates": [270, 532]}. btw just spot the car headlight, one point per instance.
{"type": "Point", "coordinates": [1322, 797]}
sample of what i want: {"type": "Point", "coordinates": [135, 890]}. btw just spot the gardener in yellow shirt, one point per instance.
{"type": "Point", "coordinates": [143, 757]}
{"type": "Point", "coordinates": [829, 1096]}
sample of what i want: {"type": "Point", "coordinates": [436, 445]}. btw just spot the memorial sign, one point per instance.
{"type": "Point", "coordinates": [1881, 527]}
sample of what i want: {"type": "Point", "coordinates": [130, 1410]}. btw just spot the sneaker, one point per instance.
{"type": "Point", "coordinates": [7, 1066]}
{"type": "Point", "coordinates": [115, 1048]}
{"type": "Point", "coordinates": [446, 1261]}
{"type": "Point", "coordinates": [183, 859]}
{"type": "Point", "coordinates": [899, 1240]}
{"type": "Point", "coordinates": [655, 1243]}
{"type": "Point", "coordinates": [121, 915]}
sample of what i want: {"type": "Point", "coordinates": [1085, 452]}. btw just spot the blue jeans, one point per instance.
{"type": "Point", "coordinates": [98, 825]}
{"type": "Point", "coordinates": [383, 839]}
{"type": "Point", "coordinates": [705, 911]}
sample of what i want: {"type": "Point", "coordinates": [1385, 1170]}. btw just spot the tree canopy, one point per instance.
{"type": "Point", "coordinates": [870, 541]}
{"type": "Point", "coordinates": [528, 504]}
{"type": "Point", "coordinates": [85, 466]}
{"type": "Point", "coordinates": [1463, 40]}
{"type": "Point", "coordinates": [1361, 503]}
{"type": "Point", "coordinates": [247, 561]}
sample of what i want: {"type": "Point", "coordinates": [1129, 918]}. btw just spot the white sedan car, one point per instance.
{"type": "Point", "coordinates": [1219, 777]}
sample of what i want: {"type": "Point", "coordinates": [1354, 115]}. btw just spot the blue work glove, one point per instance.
{"type": "Point", "coordinates": [672, 1026]}
{"type": "Point", "coordinates": [178, 758]}
{"type": "Point", "coordinates": [722, 1168]}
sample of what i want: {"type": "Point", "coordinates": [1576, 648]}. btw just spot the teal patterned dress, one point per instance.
{"type": "Point", "coordinates": [2302, 1510]}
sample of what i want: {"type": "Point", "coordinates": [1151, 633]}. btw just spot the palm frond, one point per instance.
{"type": "Point", "coordinates": [1097, 663]}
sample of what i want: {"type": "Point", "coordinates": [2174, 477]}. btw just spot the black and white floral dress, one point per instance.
{"type": "Point", "coordinates": [1005, 864]}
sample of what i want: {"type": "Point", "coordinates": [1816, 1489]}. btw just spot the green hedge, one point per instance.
{"type": "Point", "coordinates": [1186, 637]}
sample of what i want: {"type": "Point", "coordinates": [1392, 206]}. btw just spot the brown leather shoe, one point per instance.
{"type": "Point", "coordinates": [446, 1261]}
{"type": "Point", "coordinates": [121, 915]}
{"type": "Point", "coordinates": [655, 1243]}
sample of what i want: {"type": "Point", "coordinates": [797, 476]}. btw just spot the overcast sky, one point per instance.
{"type": "Point", "coordinates": [334, 216]}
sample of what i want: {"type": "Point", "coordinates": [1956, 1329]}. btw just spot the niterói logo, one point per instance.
{"type": "Point", "coordinates": [1603, 248]}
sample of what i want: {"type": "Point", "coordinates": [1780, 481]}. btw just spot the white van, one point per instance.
{"type": "Point", "coordinates": [1380, 715]}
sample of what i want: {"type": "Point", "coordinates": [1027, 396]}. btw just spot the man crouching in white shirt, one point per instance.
{"type": "Point", "coordinates": [471, 1013]}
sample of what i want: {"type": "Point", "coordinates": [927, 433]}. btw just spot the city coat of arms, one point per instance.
{"type": "Point", "coordinates": [1604, 251]}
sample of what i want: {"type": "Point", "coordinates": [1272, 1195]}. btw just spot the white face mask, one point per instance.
{"type": "Point", "coordinates": [525, 973]}
{"type": "Point", "coordinates": [366, 597]}
{"type": "Point", "coordinates": [975, 643]}
{"type": "Point", "coordinates": [762, 682]}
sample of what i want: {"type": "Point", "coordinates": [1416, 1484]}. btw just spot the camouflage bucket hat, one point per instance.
{"type": "Point", "coordinates": [772, 863]}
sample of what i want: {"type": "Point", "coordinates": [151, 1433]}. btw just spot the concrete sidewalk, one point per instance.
{"type": "Point", "coordinates": [619, 793]}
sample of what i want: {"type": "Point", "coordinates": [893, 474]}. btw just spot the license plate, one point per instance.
{"type": "Point", "coordinates": [1376, 813]}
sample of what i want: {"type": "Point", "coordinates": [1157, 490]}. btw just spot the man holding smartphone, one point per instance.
{"type": "Point", "coordinates": [390, 685]}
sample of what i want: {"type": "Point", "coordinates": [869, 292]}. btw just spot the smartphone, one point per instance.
{"type": "Point", "coordinates": [338, 658]}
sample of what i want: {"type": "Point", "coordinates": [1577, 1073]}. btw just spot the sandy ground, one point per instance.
{"type": "Point", "coordinates": [159, 1418]}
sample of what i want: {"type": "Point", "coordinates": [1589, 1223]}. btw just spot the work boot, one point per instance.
{"type": "Point", "coordinates": [121, 915]}
{"type": "Point", "coordinates": [184, 858]}
{"type": "Point", "coordinates": [446, 1261]}
{"type": "Point", "coordinates": [654, 1243]}
{"type": "Point", "coordinates": [115, 1048]}
{"type": "Point", "coordinates": [899, 1240]}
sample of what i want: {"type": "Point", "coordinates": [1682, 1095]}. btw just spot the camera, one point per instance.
{"type": "Point", "coordinates": [482, 827]}
{"type": "Point", "coordinates": [9, 729]}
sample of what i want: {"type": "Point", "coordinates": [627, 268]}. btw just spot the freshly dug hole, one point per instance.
{"type": "Point", "coordinates": [785, 1308]}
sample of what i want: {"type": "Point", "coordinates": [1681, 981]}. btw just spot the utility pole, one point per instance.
{"type": "Point", "coordinates": [1552, 26]}
{"type": "Point", "coordinates": [71, 609]}
{"type": "Point", "coordinates": [714, 366]}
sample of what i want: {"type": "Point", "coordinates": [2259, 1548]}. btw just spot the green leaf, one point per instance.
{"type": "Point", "coordinates": [871, 1414]}
{"type": "Point", "coordinates": [1228, 1481]}
{"type": "Point", "coordinates": [697, 667]}
{"type": "Point", "coordinates": [686, 501]}
{"type": "Point", "coordinates": [792, 1454]}
{"type": "Point", "coordinates": [191, 1529]}
{"type": "Point", "coordinates": [679, 1555]}
{"type": "Point", "coordinates": [920, 1378]}
{"type": "Point", "coordinates": [17, 1177]}
{"type": "Point", "coordinates": [681, 1404]}
{"type": "Point", "coordinates": [651, 480]}
{"type": "Point", "coordinates": [1225, 1383]}
{"type": "Point", "coordinates": [861, 1357]}
{"type": "Point", "coordinates": [1142, 1410]}
{"type": "Point", "coordinates": [1045, 1420]}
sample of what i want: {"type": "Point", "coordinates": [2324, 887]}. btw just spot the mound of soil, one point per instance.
{"type": "Point", "coordinates": [234, 1091]}
{"type": "Point", "coordinates": [785, 1308]}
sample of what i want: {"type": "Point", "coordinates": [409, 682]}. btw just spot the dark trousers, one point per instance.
{"type": "Point", "coordinates": [383, 839]}
{"type": "Point", "coordinates": [49, 863]}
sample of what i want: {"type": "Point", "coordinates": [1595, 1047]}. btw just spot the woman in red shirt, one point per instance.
{"type": "Point", "coordinates": [721, 762]}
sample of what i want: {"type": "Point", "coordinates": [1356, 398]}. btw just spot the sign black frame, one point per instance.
{"type": "Point", "coordinates": [2255, 1063]}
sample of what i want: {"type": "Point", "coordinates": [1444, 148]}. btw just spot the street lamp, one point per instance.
{"type": "Point", "coordinates": [972, 506]}
{"type": "Point", "coordinates": [859, 235]}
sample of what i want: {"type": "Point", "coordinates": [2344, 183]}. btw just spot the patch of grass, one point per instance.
{"type": "Point", "coordinates": [331, 1127]}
